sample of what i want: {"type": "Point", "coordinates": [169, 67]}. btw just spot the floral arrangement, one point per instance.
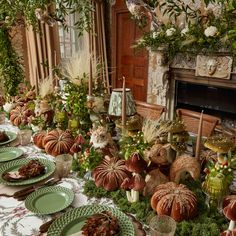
{"type": "Point", "coordinates": [191, 28]}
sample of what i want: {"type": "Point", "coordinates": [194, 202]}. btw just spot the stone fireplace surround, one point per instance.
{"type": "Point", "coordinates": [163, 79]}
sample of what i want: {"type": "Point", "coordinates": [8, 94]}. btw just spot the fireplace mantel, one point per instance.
{"type": "Point", "coordinates": [188, 75]}
{"type": "Point", "coordinates": [162, 78]}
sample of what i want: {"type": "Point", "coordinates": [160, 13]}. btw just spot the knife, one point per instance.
{"type": "Point", "coordinates": [44, 227]}
{"type": "Point", "coordinates": [22, 194]}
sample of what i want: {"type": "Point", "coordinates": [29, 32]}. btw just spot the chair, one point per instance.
{"type": "Point", "coordinates": [149, 111]}
{"type": "Point", "coordinates": [191, 121]}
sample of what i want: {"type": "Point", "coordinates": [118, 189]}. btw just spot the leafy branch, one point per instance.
{"type": "Point", "coordinates": [11, 72]}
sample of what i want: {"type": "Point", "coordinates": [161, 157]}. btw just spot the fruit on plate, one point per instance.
{"type": "Point", "coordinates": [174, 200]}
{"type": "Point", "coordinates": [110, 173]}
{"type": "Point", "coordinates": [58, 142]}
{"type": "Point", "coordinates": [32, 169]}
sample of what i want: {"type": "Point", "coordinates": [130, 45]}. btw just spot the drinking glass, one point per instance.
{"type": "Point", "coordinates": [2, 118]}
{"type": "Point", "coordinates": [162, 225]}
{"type": "Point", "coordinates": [25, 136]}
{"type": "Point", "coordinates": [63, 165]}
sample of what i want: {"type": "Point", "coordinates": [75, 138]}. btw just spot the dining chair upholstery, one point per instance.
{"type": "Point", "coordinates": [149, 111]}
{"type": "Point", "coordinates": [191, 121]}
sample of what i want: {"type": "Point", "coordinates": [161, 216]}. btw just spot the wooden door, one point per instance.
{"type": "Point", "coordinates": [127, 61]}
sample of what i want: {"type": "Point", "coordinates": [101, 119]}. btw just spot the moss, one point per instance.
{"type": "Point", "coordinates": [207, 223]}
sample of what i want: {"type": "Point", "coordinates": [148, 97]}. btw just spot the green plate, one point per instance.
{"type": "Point", "coordinates": [72, 221]}
{"type": "Point", "coordinates": [49, 200]}
{"type": "Point", "coordinates": [16, 164]}
{"type": "Point", "coordinates": [10, 153]}
{"type": "Point", "coordinates": [12, 136]}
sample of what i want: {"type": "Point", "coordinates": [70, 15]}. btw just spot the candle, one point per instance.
{"type": "Point", "coordinates": [90, 85]}
{"type": "Point", "coordinates": [90, 80]}
{"type": "Point", "coordinates": [55, 65]}
{"type": "Point", "coordinates": [199, 137]}
{"type": "Point", "coordinates": [123, 117]}
{"type": "Point", "coordinates": [36, 81]}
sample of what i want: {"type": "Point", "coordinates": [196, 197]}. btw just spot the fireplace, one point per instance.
{"type": "Point", "coordinates": [213, 100]}
{"type": "Point", "coordinates": [214, 96]}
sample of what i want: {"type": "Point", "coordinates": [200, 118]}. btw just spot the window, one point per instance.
{"type": "Point", "coordinates": [70, 43]}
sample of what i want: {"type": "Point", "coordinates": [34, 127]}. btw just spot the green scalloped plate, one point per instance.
{"type": "Point", "coordinates": [16, 164]}
{"type": "Point", "coordinates": [10, 153]}
{"type": "Point", "coordinates": [12, 136]}
{"type": "Point", "coordinates": [72, 221]}
{"type": "Point", "coordinates": [49, 200]}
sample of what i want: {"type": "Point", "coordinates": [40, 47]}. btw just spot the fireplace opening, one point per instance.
{"type": "Point", "coordinates": [215, 101]}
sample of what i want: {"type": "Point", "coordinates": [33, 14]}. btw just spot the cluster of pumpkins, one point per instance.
{"type": "Point", "coordinates": [55, 142]}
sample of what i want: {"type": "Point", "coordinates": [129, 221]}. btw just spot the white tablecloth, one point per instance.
{"type": "Point", "coordinates": [15, 219]}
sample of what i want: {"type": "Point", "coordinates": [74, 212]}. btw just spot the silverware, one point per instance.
{"type": "Point", "coordinates": [22, 194]}
{"type": "Point", "coordinates": [44, 227]}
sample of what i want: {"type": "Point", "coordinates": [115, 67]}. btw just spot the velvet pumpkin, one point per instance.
{"type": "Point", "coordinates": [38, 139]}
{"type": "Point", "coordinates": [110, 173]}
{"type": "Point", "coordinates": [174, 200]}
{"type": "Point", "coordinates": [58, 142]}
{"type": "Point", "coordinates": [18, 115]}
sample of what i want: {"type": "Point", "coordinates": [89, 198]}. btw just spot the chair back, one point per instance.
{"type": "Point", "coordinates": [149, 111]}
{"type": "Point", "coordinates": [191, 121]}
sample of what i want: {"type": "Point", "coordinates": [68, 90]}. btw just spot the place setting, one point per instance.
{"type": "Point", "coordinates": [7, 137]}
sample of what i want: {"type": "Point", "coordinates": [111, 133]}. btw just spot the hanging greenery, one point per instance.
{"type": "Point", "coordinates": [194, 27]}
{"type": "Point", "coordinates": [30, 13]}
{"type": "Point", "coordinates": [48, 11]}
{"type": "Point", "coordinates": [11, 72]}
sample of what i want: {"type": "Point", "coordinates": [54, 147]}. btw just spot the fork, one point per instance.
{"type": "Point", "coordinates": [22, 194]}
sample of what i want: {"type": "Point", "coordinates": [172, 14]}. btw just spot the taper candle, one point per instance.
{"type": "Point", "coordinates": [36, 81]}
{"type": "Point", "coordinates": [55, 65]}
{"type": "Point", "coordinates": [199, 137]}
{"type": "Point", "coordinates": [123, 117]}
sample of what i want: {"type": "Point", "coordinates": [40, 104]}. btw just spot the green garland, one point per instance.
{"type": "Point", "coordinates": [207, 223]}
{"type": "Point", "coordinates": [203, 32]}
{"type": "Point", "coordinates": [14, 10]}
{"type": "Point", "coordinates": [11, 72]}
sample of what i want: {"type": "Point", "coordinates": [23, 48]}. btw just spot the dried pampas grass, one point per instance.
{"type": "Point", "coordinates": [46, 87]}
{"type": "Point", "coordinates": [78, 67]}
{"type": "Point", "coordinates": [150, 130]}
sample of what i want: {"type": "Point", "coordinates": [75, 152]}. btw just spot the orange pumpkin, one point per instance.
{"type": "Point", "coordinates": [39, 139]}
{"type": "Point", "coordinates": [58, 142]}
{"type": "Point", "coordinates": [174, 200]}
{"type": "Point", "coordinates": [18, 115]}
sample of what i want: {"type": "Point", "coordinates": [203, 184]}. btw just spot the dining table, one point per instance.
{"type": "Point", "coordinates": [15, 218]}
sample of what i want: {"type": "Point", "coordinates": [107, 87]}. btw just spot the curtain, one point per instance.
{"type": "Point", "coordinates": [43, 52]}
{"type": "Point", "coordinates": [97, 43]}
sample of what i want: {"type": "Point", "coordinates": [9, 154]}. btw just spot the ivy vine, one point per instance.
{"type": "Point", "coordinates": [11, 72]}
